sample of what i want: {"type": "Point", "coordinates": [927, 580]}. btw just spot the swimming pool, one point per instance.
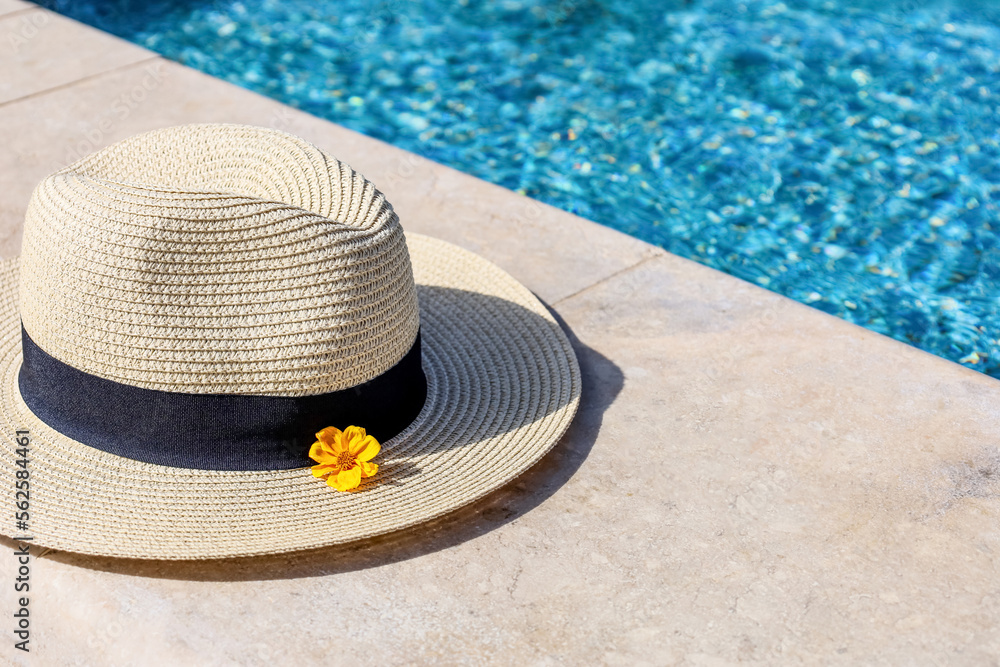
{"type": "Point", "coordinates": [845, 154]}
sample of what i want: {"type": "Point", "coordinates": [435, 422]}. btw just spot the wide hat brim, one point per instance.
{"type": "Point", "coordinates": [503, 386]}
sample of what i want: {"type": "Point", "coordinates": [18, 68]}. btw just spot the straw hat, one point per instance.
{"type": "Point", "coordinates": [198, 302]}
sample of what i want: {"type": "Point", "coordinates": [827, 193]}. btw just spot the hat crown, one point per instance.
{"type": "Point", "coordinates": [217, 259]}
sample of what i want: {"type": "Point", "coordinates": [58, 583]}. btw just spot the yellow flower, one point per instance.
{"type": "Point", "coordinates": [344, 457]}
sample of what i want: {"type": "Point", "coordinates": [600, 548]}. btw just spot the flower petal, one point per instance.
{"type": "Point", "coordinates": [328, 435]}
{"type": "Point", "coordinates": [345, 480]}
{"type": "Point", "coordinates": [368, 469]}
{"type": "Point", "coordinates": [353, 435]}
{"type": "Point", "coordinates": [324, 469]}
{"type": "Point", "coordinates": [339, 444]}
{"type": "Point", "coordinates": [321, 452]}
{"type": "Point", "coordinates": [366, 450]}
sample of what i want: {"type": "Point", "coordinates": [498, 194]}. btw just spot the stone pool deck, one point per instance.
{"type": "Point", "coordinates": [748, 481]}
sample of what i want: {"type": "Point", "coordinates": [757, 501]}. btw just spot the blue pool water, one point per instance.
{"type": "Point", "coordinates": [843, 153]}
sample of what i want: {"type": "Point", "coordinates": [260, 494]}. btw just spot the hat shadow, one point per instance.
{"type": "Point", "coordinates": [602, 381]}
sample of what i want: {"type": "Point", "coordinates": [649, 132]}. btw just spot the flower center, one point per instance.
{"type": "Point", "coordinates": [345, 460]}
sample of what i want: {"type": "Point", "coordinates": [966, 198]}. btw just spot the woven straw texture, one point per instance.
{"type": "Point", "coordinates": [147, 307]}
{"type": "Point", "coordinates": [263, 255]}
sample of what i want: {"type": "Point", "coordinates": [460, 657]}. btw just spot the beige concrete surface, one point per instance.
{"type": "Point", "coordinates": [8, 6]}
{"type": "Point", "coordinates": [35, 40]}
{"type": "Point", "coordinates": [749, 481]}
